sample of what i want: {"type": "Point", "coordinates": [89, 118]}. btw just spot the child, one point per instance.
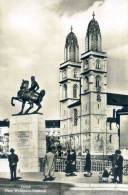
{"type": "Point", "coordinates": [105, 176]}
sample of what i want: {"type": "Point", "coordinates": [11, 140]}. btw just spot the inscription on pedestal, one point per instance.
{"type": "Point", "coordinates": [23, 138]}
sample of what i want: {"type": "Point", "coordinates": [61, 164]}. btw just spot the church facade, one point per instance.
{"type": "Point", "coordinates": [83, 96]}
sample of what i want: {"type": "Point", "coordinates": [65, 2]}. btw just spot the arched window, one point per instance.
{"type": "Point", "coordinates": [75, 91]}
{"type": "Point", "coordinates": [75, 73]}
{"type": "Point", "coordinates": [65, 91]}
{"type": "Point", "coordinates": [110, 138]}
{"type": "Point", "coordinates": [98, 137]}
{"type": "Point", "coordinates": [98, 79]}
{"type": "Point", "coordinates": [85, 64]}
{"type": "Point", "coordinates": [98, 64]}
{"type": "Point", "coordinates": [75, 117]}
{"type": "Point", "coordinates": [86, 84]}
{"type": "Point", "coordinates": [72, 53]}
{"type": "Point", "coordinates": [64, 74]}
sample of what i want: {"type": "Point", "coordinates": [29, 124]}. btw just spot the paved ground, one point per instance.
{"type": "Point", "coordinates": [60, 177]}
{"type": "Point", "coordinates": [32, 184]}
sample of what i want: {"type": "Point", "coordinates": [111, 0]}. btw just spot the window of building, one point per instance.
{"type": "Point", "coordinates": [98, 120]}
{"type": "Point", "coordinates": [64, 74]}
{"type": "Point", "coordinates": [98, 64]}
{"type": "Point", "coordinates": [86, 84]}
{"type": "Point", "coordinates": [75, 91]}
{"type": "Point", "coordinates": [98, 106]}
{"type": "Point", "coordinates": [65, 91]}
{"type": "Point", "coordinates": [1, 139]}
{"type": "Point", "coordinates": [110, 138]}
{"type": "Point", "coordinates": [1, 148]}
{"type": "Point", "coordinates": [98, 137]}
{"type": "Point", "coordinates": [75, 117]}
{"type": "Point", "coordinates": [75, 73]}
{"type": "Point", "coordinates": [64, 112]}
{"type": "Point", "coordinates": [85, 64]}
{"type": "Point", "coordinates": [98, 80]}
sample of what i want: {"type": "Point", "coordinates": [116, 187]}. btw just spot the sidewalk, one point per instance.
{"type": "Point", "coordinates": [60, 178]}
{"type": "Point", "coordinates": [65, 185]}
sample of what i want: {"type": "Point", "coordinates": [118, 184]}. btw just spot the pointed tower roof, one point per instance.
{"type": "Point", "coordinates": [71, 47]}
{"type": "Point", "coordinates": [93, 39]}
{"type": "Point", "coordinates": [93, 25]}
{"type": "Point", "coordinates": [71, 39]}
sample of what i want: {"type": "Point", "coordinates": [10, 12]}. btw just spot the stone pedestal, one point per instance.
{"type": "Point", "coordinates": [27, 137]}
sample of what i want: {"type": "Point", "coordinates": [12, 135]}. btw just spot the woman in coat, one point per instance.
{"type": "Point", "coordinates": [71, 163]}
{"type": "Point", "coordinates": [87, 167]}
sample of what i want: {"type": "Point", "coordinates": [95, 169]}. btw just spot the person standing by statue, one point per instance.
{"type": "Point", "coordinates": [71, 163]}
{"type": "Point", "coordinates": [87, 167]}
{"type": "Point", "coordinates": [118, 167]}
{"type": "Point", "coordinates": [113, 160]}
{"type": "Point", "coordinates": [34, 85]}
{"type": "Point", "coordinates": [13, 160]}
{"type": "Point", "coordinates": [49, 164]}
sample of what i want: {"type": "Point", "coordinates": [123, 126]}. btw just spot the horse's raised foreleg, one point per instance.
{"type": "Point", "coordinates": [14, 98]}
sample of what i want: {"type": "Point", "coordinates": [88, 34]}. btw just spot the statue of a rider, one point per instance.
{"type": "Point", "coordinates": [34, 85]}
{"type": "Point", "coordinates": [29, 95]}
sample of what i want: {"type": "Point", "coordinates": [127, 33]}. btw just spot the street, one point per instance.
{"type": "Point", "coordinates": [33, 184]}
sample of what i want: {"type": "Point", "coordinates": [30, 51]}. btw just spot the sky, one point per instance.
{"type": "Point", "coordinates": [32, 39]}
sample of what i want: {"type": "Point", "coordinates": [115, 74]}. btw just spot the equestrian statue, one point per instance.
{"type": "Point", "coordinates": [30, 96]}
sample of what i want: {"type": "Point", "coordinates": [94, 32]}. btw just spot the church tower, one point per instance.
{"type": "Point", "coordinates": [69, 81]}
{"type": "Point", "coordinates": [93, 92]}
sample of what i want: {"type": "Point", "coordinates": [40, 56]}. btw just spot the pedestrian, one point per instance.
{"type": "Point", "coordinates": [13, 160]}
{"type": "Point", "coordinates": [71, 163]}
{"type": "Point", "coordinates": [113, 158]}
{"type": "Point", "coordinates": [49, 164]}
{"type": "Point", "coordinates": [87, 167]}
{"type": "Point", "coordinates": [118, 172]}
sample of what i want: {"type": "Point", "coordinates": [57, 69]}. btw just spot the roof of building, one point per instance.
{"type": "Point", "coordinates": [93, 26]}
{"type": "Point", "coordinates": [78, 103]}
{"type": "Point", "coordinates": [71, 39]}
{"type": "Point", "coordinates": [117, 99]}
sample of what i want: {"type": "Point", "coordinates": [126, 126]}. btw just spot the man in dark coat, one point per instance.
{"type": "Point", "coordinates": [71, 163]}
{"type": "Point", "coordinates": [87, 167]}
{"type": "Point", "coordinates": [118, 167]}
{"type": "Point", "coordinates": [13, 160]}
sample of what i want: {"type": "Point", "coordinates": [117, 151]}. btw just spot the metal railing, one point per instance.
{"type": "Point", "coordinates": [60, 164]}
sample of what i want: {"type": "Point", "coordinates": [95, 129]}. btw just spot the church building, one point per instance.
{"type": "Point", "coordinates": [84, 102]}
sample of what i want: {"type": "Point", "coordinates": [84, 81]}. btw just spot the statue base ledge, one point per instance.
{"type": "Point", "coordinates": [27, 114]}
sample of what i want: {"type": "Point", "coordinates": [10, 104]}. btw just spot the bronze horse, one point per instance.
{"type": "Point", "coordinates": [24, 95]}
